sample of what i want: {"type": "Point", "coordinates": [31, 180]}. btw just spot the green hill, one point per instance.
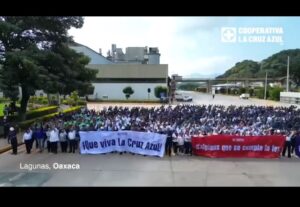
{"type": "Point", "coordinates": [246, 68]}
{"type": "Point", "coordinates": [276, 65]}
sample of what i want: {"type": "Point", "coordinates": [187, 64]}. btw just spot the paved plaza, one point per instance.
{"type": "Point", "coordinates": [200, 98]}
{"type": "Point", "coordinates": [137, 170]}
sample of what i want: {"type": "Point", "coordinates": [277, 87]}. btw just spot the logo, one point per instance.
{"type": "Point", "coordinates": [252, 35]}
{"type": "Point", "coordinates": [228, 34]}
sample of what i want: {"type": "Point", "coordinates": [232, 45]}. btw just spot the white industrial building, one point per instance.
{"type": "Point", "coordinates": [290, 97]}
{"type": "Point", "coordinates": [139, 68]}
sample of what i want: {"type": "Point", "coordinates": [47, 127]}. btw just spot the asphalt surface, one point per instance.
{"type": "Point", "coordinates": [137, 170]}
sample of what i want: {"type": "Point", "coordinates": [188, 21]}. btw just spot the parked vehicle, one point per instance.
{"type": "Point", "coordinates": [245, 96]}
{"type": "Point", "coordinates": [181, 97]}
{"type": "Point", "coordinates": [164, 99]}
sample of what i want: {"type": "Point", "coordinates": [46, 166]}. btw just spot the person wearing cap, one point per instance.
{"type": "Point", "coordinates": [27, 140]}
{"type": "Point", "coordinates": [6, 126]}
{"type": "Point", "coordinates": [12, 139]}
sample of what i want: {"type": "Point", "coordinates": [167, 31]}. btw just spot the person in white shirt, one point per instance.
{"type": "Point", "coordinates": [175, 142]}
{"type": "Point", "coordinates": [287, 144]}
{"type": "Point", "coordinates": [71, 137]}
{"type": "Point", "coordinates": [63, 140]}
{"type": "Point", "coordinates": [180, 141]}
{"type": "Point", "coordinates": [27, 140]}
{"type": "Point", "coordinates": [54, 138]}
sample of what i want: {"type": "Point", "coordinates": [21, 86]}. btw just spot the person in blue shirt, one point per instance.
{"type": "Point", "coordinates": [297, 144]}
{"type": "Point", "coordinates": [40, 137]}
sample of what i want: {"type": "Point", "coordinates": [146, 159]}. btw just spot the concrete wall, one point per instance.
{"type": "Point", "coordinates": [40, 93]}
{"type": "Point", "coordinates": [114, 91]}
{"type": "Point", "coordinates": [131, 71]}
{"type": "Point", "coordinates": [135, 53]}
{"type": "Point", "coordinates": [153, 59]}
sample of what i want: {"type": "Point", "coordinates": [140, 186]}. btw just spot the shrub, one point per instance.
{"type": "Point", "coordinates": [202, 90]}
{"type": "Point", "coordinates": [71, 102]}
{"type": "Point", "coordinates": [4, 100]}
{"type": "Point", "coordinates": [81, 103]}
{"type": "Point", "coordinates": [260, 92]}
{"type": "Point", "coordinates": [160, 89]}
{"type": "Point", "coordinates": [242, 90]}
{"type": "Point", "coordinates": [41, 112]}
{"type": "Point", "coordinates": [74, 97]}
{"type": "Point", "coordinates": [25, 124]}
{"type": "Point", "coordinates": [275, 93]}
{"type": "Point", "coordinates": [42, 100]}
{"type": "Point", "coordinates": [128, 91]}
{"type": "Point", "coordinates": [35, 113]}
{"type": "Point", "coordinates": [251, 91]}
{"type": "Point", "coordinates": [233, 91]}
{"type": "Point", "coordinates": [72, 109]}
{"type": "Point", "coordinates": [131, 101]}
{"type": "Point", "coordinates": [45, 101]}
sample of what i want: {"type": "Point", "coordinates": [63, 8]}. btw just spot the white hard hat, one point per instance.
{"type": "Point", "coordinates": [11, 129]}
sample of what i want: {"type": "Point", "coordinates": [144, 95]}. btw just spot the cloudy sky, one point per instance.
{"type": "Point", "coordinates": [194, 45]}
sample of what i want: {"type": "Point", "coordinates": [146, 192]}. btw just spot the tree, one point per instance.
{"type": "Point", "coordinates": [242, 90]}
{"type": "Point", "coordinates": [246, 68]}
{"type": "Point", "coordinates": [128, 91]}
{"type": "Point", "coordinates": [34, 55]}
{"type": "Point", "coordinates": [275, 93]}
{"type": "Point", "coordinates": [160, 89]}
{"type": "Point", "coordinates": [260, 92]}
{"type": "Point", "coordinates": [276, 65]}
{"type": "Point", "coordinates": [74, 96]}
{"type": "Point", "coordinates": [188, 86]}
{"type": "Point", "coordinates": [251, 91]}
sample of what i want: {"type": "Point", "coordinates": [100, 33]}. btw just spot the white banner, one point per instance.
{"type": "Point", "coordinates": [144, 143]}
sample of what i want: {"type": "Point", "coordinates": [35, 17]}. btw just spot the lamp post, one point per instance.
{"type": "Point", "coordinates": [266, 80]}
{"type": "Point", "coordinates": [287, 74]}
{"type": "Point", "coordinates": [266, 83]}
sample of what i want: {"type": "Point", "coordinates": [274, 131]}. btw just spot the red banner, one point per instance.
{"type": "Point", "coordinates": [238, 146]}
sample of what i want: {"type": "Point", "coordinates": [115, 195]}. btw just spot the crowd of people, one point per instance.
{"type": "Point", "coordinates": [179, 122]}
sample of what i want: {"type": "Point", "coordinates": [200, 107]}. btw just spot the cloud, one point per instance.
{"type": "Point", "coordinates": [187, 44]}
{"type": "Point", "coordinates": [202, 65]}
{"type": "Point", "coordinates": [194, 25]}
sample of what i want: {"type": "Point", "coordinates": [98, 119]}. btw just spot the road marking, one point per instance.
{"type": "Point", "coordinates": [5, 184]}
{"type": "Point", "coordinates": [18, 176]}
